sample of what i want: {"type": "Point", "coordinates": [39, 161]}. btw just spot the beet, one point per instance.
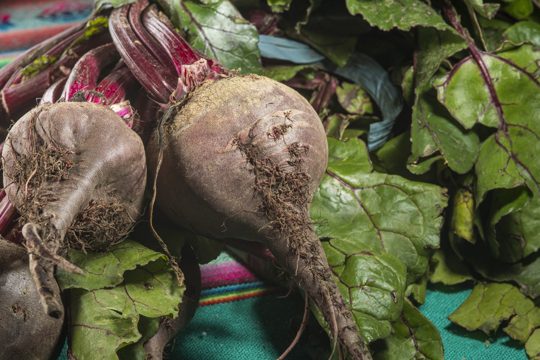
{"type": "Point", "coordinates": [26, 332]}
{"type": "Point", "coordinates": [242, 159]}
{"type": "Point", "coordinates": [76, 175]}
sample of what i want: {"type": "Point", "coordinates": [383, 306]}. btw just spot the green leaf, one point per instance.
{"type": "Point", "coordinates": [533, 345]}
{"type": "Point", "coordinates": [434, 46]}
{"type": "Point", "coordinates": [526, 275]}
{"type": "Point", "coordinates": [279, 5]}
{"type": "Point", "coordinates": [487, 10]}
{"type": "Point", "coordinates": [433, 131]}
{"type": "Point", "coordinates": [362, 210]}
{"type": "Point", "coordinates": [148, 328]}
{"type": "Point", "coordinates": [526, 57]}
{"type": "Point", "coordinates": [106, 269]}
{"type": "Point", "coordinates": [374, 226]}
{"type": "Point", "coordinates": [524, 31]}
{"type": "Point", "coordinates": [463, 215]}
{"type": "Point", "coordinates": [514, 225]}
{"type": "Point", "coordinates": [98, 4]}
{"type": "Point", "coordinates": [354, 99]}
{"type": "Point", "coordinates": [102, 321]}
{"type": "Point", "coordinates": [448, 269]}
{"type": "Point", "coordinates": [282, 72]}
{"type": "Point", "coordinates": [417, 291]}
{"type": "Point", "coordinates": [506, 97]}
{"type": "Point", "coordinates": [335, 47]}
{"type": "Point", "coordinates": [414, 337]}
{"type": "Point", "coordinates": [519, 9]}
{"type": "Point", "coordinates": [401, 14]}
{"type": "Point", "coordinates": [217, 29]}
{"type": "Point", "coordinates": [489, 305]}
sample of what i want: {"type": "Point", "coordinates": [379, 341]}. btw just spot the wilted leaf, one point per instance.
{"type": "Point", "coordinates": [218, 30]}
{"type": "Point", "coordinates": [414, 337]}
{"type": "Point", "coordinates": [489, 305]}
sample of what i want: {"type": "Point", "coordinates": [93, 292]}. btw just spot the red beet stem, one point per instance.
{"type": "Point", "coordinates": [114, 87]}
{"type": "Point", "coordinates": [54, 92]}
{"type": "Point", "coordinates": [7, 214]}
{"type": "Point", "coordinates": [143, 65]}
{"type": "Point", "coordinates": [85, 73]}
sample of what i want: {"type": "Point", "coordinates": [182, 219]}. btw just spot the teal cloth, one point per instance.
{"type": "Point", "coordinates": [261, 328]}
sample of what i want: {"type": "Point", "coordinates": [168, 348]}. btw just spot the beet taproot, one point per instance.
{"type": "Point", "coordinates": [26, 332]}
{"type": "Point", "coordinates": [242, 159]}
{"type": "Point", "coordinates": [76, 175]}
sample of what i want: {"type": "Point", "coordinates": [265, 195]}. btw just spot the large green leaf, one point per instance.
{"type": "Point", "coordinates": [524, 31]}
{"type": "Point", "coordinates": [377, 230]}
{"type": "Point", "coordinates": [118, 288]}
{"type": "Point", "coordinates": [413, 337]}
{"type": "Point", "coordinates": [401, 14]}
{"type": "Point", "coordinates": [217, 29]}
{"type": "Point", "coordinates": [362, 210]}
{"type": "Point", "coordinates": [489, 305]}
{"type": "Point", "coordinates": [433, 131]}
{"type": "Point", "coordinates": [502, 95]}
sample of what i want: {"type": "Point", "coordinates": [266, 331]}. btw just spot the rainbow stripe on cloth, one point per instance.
{"type": "Point", "coordinates": [240, 317]}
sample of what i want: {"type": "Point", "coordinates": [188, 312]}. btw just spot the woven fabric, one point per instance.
{"type": "Point", "coordinates": [240, 316]}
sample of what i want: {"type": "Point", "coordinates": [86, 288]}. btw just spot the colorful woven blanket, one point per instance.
{"type": "Point", "coordinates": [241, 317]}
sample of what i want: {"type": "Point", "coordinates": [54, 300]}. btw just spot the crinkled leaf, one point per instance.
{"type": "Point", "coordinates": [401, 14]}
{"type": "Point", "coordinates": [533, 345]}
{"type": "Point", "coordinates": [433, 131]}
{"type": "Point", "coordinates": [434, 46]}
{"type": "Point", "coordinates": [489, 305]}
{"type": "Point", "coordinates": [106, 269]}
{"type": "Point", "coordinates": [487, 10]}
{"type": "Point", "coordinates": [354, 99]}
{"type": "Point", "coordinates": [275, 47]}
{"type": "Point", "coordinates": [448, 269]}
{"type": "Point", "coordinates": [524, 31]}
{"type": "Point", "coordinates": [279, 5]}
{"type": "Point", "coordinates": [414, 337]}
{"type": "Point", "coordinates": [102, 321]}
{"type": "Point", "coordinates": [217, 29]}
{"type": "Point", "coordinates": [366, 72]}
{"type": "Point", "coordinates": [370, 211]}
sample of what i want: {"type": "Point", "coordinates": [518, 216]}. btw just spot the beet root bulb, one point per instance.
{"type": "Point", "coordinates": [76, 174]}
{"type": "Point", "coordinates": [242, 160]}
